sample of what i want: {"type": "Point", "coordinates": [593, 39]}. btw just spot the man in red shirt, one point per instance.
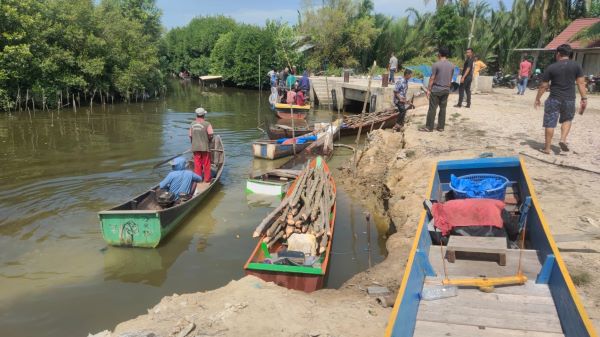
{"type": "Point", "coordinates": [524, 73]}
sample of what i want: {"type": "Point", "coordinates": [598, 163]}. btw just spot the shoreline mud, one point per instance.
{"type": "Point", "coordinates": [391, 181]}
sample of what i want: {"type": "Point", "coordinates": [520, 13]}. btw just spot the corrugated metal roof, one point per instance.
{"type": "Point", "coordinates": [570, 31]}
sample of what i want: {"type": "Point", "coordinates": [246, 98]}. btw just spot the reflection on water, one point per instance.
{"type": "Point", "coordinates": [58, 277]}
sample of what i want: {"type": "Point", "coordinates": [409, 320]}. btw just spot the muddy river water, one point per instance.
{"type": "Point", "coordinates": [58, 169]}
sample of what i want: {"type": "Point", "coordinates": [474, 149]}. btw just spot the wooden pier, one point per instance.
{"type": "Point", "coordinates": [204, 80]}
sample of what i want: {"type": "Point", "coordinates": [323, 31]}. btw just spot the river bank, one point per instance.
{"type": "Point", "coordinates": [391, 181]}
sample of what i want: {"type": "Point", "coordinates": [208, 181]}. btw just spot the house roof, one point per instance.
{"type": "Point", "coordinates": [575, 27]}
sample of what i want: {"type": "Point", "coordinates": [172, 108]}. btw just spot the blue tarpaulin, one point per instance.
{"type": "Point", "coordinates": [299, 140]}
{"type": "Point", "coordinates": [476, 189]}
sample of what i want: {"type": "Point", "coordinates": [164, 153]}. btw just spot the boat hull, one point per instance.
{"type": "Point", "coordinates": [258, 186]}
{"type": "Point", "coordinates": [271, 150]}
{"type": "Point", "coordinates": [284, 111]}
{"type": "Point", "coordinates": [288, 115]}
{"type": "Point", "coordinates": [278, 133]}
{"type": "Point", "coordinates": [386, 123]}
{"type": "Point", "coordinates": [303, 282]}
{"type": "Point", "coordinates": [553, 275]}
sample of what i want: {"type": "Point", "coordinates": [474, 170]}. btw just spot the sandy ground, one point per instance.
{"type": "Point", "coordinates": [391, 180]}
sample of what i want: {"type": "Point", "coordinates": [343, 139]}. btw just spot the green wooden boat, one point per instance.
{"type": "Point", "coordinates": [141, 222]}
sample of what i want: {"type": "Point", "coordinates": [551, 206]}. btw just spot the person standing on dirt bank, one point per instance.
{"type": "Point", "coordinates": [524, 73]}
{"type": "Point", "coordinates": [400, 98]}
{"type": "Point", "coordinates": [438, 90]}
{"type": "Point", "coordinates": [560, 106]}
{"type": "Point", "coordinates": [392, 67]}
{"type": "Point", "coordinates": [201, 133]}
{"type": "Point", "coordinates": [478, 66]}
{"type": "Point", "coordinates": [465, 80]}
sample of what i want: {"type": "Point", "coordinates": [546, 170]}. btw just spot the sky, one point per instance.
{"type": "Point", "coordinates": [178, 13]}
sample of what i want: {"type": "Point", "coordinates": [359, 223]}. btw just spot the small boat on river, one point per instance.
{"type": "Point", "coordinates": [142, 222]}
{"type": "Point", "coordinates": [275, 182]}
{"type": "Point", "coordinates": [274, 259]}
{"type": "Point", "coordinates": [525, 290]}
{"type": "Point", "coordinates": [284, 128]}
{"type": "Point", "coordinates": [372, 121]}
{"type": "Point", "coordinates": [321, 137]}
{"type": "Point", "coordinates": [292, 111]}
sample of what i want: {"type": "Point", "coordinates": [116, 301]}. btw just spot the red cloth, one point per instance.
{"type": "Point", "coordinates": [202, 165]}
{"type": "Point", "coordinates": [300, 98]}
{"type": "Point", "coordinates": [467, 212]}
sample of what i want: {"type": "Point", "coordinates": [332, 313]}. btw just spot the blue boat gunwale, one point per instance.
{"type": "Point", "coordinates": [559, 270]}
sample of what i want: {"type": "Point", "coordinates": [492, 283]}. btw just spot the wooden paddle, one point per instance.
{"type": "Point", "coordinates": [173, 157]}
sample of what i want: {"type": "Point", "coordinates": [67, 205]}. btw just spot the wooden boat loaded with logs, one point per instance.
{"type": "Point", "coordinates": [371, 121]}
{"type": "Point", "coordinates": [142, 222]}
{"type": "Point", "coordinates": [502, 285]}
{"type": "Point", "coordinates": [295, 239]}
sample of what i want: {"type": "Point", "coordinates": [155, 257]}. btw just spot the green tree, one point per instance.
{"type": "Point", "coordinates": [338, 32]}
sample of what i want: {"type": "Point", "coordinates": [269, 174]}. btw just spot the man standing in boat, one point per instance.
{"type": "Point", "coordinates": [201, 133]}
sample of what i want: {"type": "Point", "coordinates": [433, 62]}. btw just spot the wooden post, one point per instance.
{"type": "Point", "coordinates": [362, 115]}
{"type": "Point", "coordinates": [328, 94]}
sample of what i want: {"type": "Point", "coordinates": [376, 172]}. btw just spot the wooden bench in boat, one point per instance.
{"type": "Point", "coordinates": [477, 246]}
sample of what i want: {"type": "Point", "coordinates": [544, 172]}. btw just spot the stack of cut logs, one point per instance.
{"type": "Point", "coordinates": [305, 210]}
{"type": "Point", "coordinates": [371, 117]}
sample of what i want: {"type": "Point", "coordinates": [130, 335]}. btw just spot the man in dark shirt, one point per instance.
{"type": "Point", "coordinates": [438, 90]}
{"type": "Point", "coordinates": [560, 106]}
{"type": "Point", "coordinates": [465, 80]}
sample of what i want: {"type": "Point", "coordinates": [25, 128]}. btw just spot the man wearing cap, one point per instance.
{"type": "Point", "coordinates": [200, 135]}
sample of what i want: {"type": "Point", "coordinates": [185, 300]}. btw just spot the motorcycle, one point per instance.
{"type": "Point", "coordinates": [501, 80]}
{"type": "Point", "coordinates": [592, 83]}
{"type": "Point", "coordinates": [534, 82]}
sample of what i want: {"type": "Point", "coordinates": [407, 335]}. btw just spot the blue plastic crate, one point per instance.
{"type": "Point", "coordinates": [497, 193]}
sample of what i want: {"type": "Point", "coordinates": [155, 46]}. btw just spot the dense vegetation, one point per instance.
{"type": "Point", "coordinates": [57, 52]}
{"type": "Point", "coordinates": [65, 52]}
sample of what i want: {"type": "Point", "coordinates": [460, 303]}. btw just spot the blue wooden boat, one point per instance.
{"type": "Point", "coordinates": [542, 301]}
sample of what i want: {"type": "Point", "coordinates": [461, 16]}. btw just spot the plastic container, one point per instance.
{"type": "Point", "coordinates": [431, 293]}
{"type": "Point", "coordinates": [497, 193]}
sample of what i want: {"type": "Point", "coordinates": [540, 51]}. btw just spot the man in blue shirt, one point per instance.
{"type": "Point", "coordinates": [179, 181]}
{"type": "Point", "coordinates": [400, 100]}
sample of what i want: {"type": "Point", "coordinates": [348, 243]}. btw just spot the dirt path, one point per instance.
{"type": "Point", "coordinates": [392, 182]}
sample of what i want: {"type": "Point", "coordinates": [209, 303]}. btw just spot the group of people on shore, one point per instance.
{"type": "Point", "coordinates": [287, 88]}
{"type": "Point", "coordinates": [560, 78]}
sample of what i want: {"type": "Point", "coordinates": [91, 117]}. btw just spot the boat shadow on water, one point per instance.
{"type": "Point", "coordinates": [150, 266]}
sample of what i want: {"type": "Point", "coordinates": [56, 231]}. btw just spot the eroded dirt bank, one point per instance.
{"type": "Point", "coordinates": [392, 181]}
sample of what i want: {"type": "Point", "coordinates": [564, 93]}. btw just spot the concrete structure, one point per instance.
{"type": "Point", "coordinates": [342, 94]}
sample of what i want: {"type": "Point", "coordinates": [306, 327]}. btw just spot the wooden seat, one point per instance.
{"type": "Point", "coordinates": [476, 246]}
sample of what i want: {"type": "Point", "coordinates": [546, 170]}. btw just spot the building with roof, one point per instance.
{"type": "Point", "coordinates": [585, 52]}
